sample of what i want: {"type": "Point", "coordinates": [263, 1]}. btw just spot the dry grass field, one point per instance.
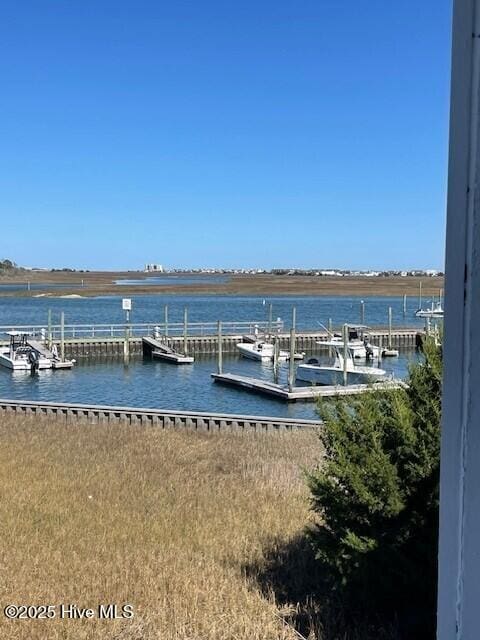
{"type": "Point", "coordinates": [179, 524]}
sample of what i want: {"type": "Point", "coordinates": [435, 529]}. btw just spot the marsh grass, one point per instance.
{"type": "Point", "coordinates": [179, 524]}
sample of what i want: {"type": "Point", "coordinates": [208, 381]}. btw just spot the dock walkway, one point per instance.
{"type": "Point", "coordinates": [305, 394]}
{"type": "Point", "coordinates": [41, 349]}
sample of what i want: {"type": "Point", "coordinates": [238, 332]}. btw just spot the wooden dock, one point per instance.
{"type": "Point", "coordinates": [97, 345]}
{"type": "Point", "coordinates": [303, 394]}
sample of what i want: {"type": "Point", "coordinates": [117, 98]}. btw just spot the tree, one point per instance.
{"type": "Point", "coordinates": [377, 494]}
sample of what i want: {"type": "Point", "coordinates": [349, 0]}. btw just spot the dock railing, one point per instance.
{"type": "Point", "coordinates": [137, 330]}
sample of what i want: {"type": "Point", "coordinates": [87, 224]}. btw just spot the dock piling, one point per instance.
{"type": "Point", "coordinates": [165, 312]}
{"type": "Point", "coordinates": [185, 331]}
{"type": "Point", "coordinates": [330, 331]}
{"type": "Point", "coordinates": [291, 364]}
{"type": "Point", "coordinates": [362, 312]}
{"type": "Point", "coordinates": [49, 330]}
{"type": "Point", "coordinates": [220, 359]}
{"type": "Point", "coordinates": [276, 354]}
{"type": "Point", "coordinates": [345, 354]}
{"type": "Point", "coordinates": [126, 343]}
{"type": "Point", "coordinates": [389, 327]}
{"type": "Point", "coordinates": [62, 336]}
{"type": "Point", "coordinates": [405, 304]}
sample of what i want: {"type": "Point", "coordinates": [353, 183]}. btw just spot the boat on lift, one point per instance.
{"type": "Point", "coordinates": [20, 356]}
{"type": "Point", "coordinates": [316, 373]}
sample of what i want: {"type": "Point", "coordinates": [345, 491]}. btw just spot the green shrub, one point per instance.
{"type": "Point", "coordinates": [376, 494]}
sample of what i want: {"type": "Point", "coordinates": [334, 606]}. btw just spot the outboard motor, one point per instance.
{"type": "Point", "coordinates": [33, 359]}
{"type": "Point", "coordinates": [368, 350]}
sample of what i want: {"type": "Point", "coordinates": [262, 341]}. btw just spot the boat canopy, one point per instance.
{"type": "Point", "coordinates": [17, 333]}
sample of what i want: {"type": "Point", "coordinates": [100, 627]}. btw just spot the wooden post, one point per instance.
{"type": "Point", "coordinates": [405, 304]}
{"type": "Point", "coordinates": [270, 317]}
{"type": "Point", "coordinates": [362, 312]}
{"type": "Point", "coordinates": [380, 347]}
{"type": "Point", "coordinates": [420, 295]}
{"type": "Point", "coordinates": [291, 364]}
{"type": "Point", "coordinates": [389, 327]}
{"type": "Point", "coordinates": [166, 322]}
{"type": "Point", "coordinates": [126, 343]}
{"type": "Point", "coordinates": [62, 336]}
{"type": "Point", "coordinates": [28, 285]}
{"type": "Point", "coordinates": [49, 332]}
{"type": "Point", "coordinates": [220, 363]}
{"type": "Point", "coordinates": [276, 354]}
{"type": "Point", "coordinates": [185, 331]}
{"type": "Point", "coordinates": [345, 354]}
{"type": "Point", "coordinates": [330, 331]}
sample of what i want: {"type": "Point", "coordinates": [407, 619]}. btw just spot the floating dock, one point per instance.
{"type": "Point", "coordinates": [157, 349]}
{"type": "Point", "coordinates": [305, 394]}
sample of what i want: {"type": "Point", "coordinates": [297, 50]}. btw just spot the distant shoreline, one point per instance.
{"type": "Point", "coordinates": [60, 283]}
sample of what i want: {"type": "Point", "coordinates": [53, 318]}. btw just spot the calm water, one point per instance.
{"type": "Point", "coordinates": [161, 385]}
{"type": "Point", "coordinates": [311, 310]}
{"type": "Point", "coordinates": [147, 383]}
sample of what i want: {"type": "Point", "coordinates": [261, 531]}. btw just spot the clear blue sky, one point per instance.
{"type": "Point", "coordinates": [219, 133]}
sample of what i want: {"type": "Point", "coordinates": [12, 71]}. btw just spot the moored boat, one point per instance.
{"type": "Point", "coordinates": [358, 343]}
{"type": "Point", "coordinates": [262, 351]}
{"type": "Point", "coordinates": [341, 372]}
{"type": "Point", "coordinates": [20, 356]}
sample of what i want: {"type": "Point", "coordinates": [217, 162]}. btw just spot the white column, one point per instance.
{"type": "Point", "coordinates": [459, 556]}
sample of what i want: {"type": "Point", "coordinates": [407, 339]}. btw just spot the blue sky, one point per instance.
{"type": "Point", "coordinates": [218, 133]}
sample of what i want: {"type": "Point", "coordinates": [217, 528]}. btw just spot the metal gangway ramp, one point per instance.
{"type": "Point", "coordinates": [158, 349]}
{"type": "Point", "coordinates": [41, 349]}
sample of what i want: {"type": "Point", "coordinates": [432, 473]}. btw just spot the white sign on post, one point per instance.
{"type": "Point", "coordinates": [126, 304]}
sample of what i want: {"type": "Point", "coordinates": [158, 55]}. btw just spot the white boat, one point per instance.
{"type": "Point", "coordinates": [334, 374]}
{"type": "Point", "coordinates": [358, 343]}
{"type": "Point", "coordinates": [263, 351]}
{"type": "Point", "coordinates": [436, 311]}
{"type": "Point", "coordinates": [390, 353]}
{"type": "Point", "coordinates": [20, 356]}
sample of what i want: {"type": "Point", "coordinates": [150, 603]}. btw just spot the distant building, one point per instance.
{"type": "Point", "coordinates": [153, 267]}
